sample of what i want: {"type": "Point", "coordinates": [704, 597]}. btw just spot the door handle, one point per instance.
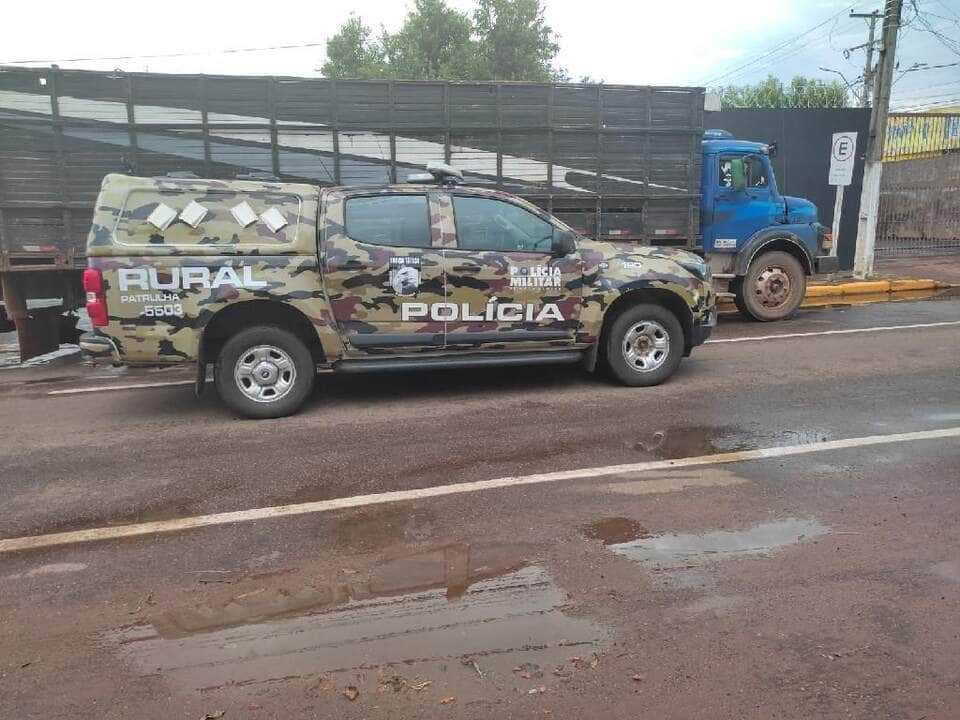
{"type": "Point", "coordinates": [350, 264]}
{"type": "Point", "coordinates": [467, 268]}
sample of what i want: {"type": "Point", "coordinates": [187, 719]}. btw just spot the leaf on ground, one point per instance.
{"type": "Point", "coordinates": [350, 692]}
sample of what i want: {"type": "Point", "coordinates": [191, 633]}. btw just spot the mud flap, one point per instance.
{"type": "Point", "coordinates": [38, 330]}
{"type": "Point", "coordinates": [201, 380]}
{"type": "Point", "coordinates": [590, 357]}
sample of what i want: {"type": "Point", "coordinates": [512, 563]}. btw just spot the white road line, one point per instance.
{"type": "Point", "coordinates": [851, 331]}
{"type": "Point", "coordinates": [137, 386]}
{"type": "Point", "coordinates": [124, 531]}
{"type": "Point", "coordinates": [779, 336]}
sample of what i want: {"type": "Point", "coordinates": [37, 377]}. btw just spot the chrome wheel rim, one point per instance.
{"type": "Point", "coordinates": [265, 373]}
{"type": "Point", "coordinates": [772, 287]}
{"type": "Point", "coordinates": [646, 346]}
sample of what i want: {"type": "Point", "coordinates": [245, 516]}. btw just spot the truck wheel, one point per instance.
{"type": "Point", "coordinates": [773, 287]}
{"type": "Point", "coordinates": [264, 372]}
{"type": "Point", "coordinates": [644, 345]}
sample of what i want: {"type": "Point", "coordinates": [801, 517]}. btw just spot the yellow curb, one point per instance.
{"type": "Point", "coordinates": [901, 285]}
{"type": "Point", "coordinates": [865, 287]}
{"type": "Point", "coordinates": [815, 291]}
{"type": "Point", "coordinates": [869, 286]}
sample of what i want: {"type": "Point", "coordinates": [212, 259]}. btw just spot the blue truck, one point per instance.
{"type": "Point", "coordinates": [760, 245]}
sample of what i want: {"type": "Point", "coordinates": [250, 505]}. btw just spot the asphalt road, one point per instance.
{"type": "Point", "coordinates": [818, 579]}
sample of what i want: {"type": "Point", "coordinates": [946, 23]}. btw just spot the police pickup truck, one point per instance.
{"type": "Point", "coordinates": [270, 282]}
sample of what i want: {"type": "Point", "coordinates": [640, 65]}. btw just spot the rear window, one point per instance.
{"type": "Point", "coordinates": [401, 220]}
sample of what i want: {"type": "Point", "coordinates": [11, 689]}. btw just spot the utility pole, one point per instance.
{"type": "Point", "coordinates": [873, 167]}
{"type": "Point", "coordinates": [868, 66]}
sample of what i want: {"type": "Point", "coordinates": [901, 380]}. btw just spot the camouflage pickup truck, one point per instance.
{"type": "Point", "coordinates": [270, 282]}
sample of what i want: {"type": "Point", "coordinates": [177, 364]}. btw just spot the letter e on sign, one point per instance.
{"type": "Point", "coordinates": [843, 155]}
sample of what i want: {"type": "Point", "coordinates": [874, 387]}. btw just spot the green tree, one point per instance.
{"type": "Point", "coordinates": [352, 53]}
{"type": "Point", "coordinates": [515, 42]}
{"type": "Point", "coordinates": [771, 93]}
{"type": "Point", "coordinates": [503, 40]}
{"type": "Point", "coordinates": [434, 43]}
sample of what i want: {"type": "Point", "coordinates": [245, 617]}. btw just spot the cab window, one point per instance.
{"type": "Point", "coordinates": [488, 224]}
{"type": "Point", "coordinates": [754, 171]}
{"type": "Point", "coordinates": [402, 220]}
{"type": "Point", "coordinates": [726, 174]}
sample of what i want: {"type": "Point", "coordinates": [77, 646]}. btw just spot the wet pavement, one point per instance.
{"type": "Point", "coordinates": [819, 585]}
{"type": "Point", "coordinates": [402, 623]}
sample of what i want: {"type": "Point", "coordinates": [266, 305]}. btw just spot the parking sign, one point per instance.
{"type": "Point", "coordinates": [843, 153]}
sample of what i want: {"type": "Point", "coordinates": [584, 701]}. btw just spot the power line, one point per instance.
{"type": "Point", "coordinates": [943, 84]}
{"type": "Point", "coordinates": [947, 8]}
{"type": "Point", "coordinates": [953, 21]}
{"type": "Point", "coordinates": [774, 50]}
{"type": "Point", "coordinates": [925, 66]}
{"type": "Point", "coordinates": [785, 53]}
{"type": "Point", "coordinates": [163, 55]}
{"type": "Point", "coordinates": [918, 97]}
{"type": "Point", "coordinates": [937, 102]}
{"type": "Point", "coordinates": [947, 42]}
{"type": "Point", "coordinates": [929, 106]}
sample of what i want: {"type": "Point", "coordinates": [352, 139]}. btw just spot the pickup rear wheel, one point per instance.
{"type": "Point", "coordinates": [264, 372]}
{"type": "Point", "coordinates": [644, 345]}
{"type": "Point", "coordinates": [773, 287]}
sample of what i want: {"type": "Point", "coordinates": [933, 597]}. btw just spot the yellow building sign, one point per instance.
{"type": "Point", "coordinates": [911, 136]}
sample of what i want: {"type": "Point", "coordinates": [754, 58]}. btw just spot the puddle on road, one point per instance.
{"type": "Point", "coordinates": [614, 530]}
{"type": "Point", "coordinates": [683, 561]}
{"type": "Point", "coordinates": [681, 442]}
{"type": "Point", "coordinates": [691, 550]}
{"type": "Point", "coordinates": [687, 442]}
{"type": "Point", "coordinates": [483, 602]}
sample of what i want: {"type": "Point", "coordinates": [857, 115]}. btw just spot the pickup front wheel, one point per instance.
{"type": "Point", "coordinates": [644, 345]}
{"type": "Point", "coordinates": [264, 372]}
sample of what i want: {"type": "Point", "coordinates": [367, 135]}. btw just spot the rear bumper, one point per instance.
{"type": "Point", "coordinates": [100, 346]}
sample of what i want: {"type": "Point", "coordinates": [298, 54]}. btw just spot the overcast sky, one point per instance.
{"type": "Point", "coordinates": [679, 42]}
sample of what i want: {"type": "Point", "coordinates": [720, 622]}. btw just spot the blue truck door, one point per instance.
{"type": "Point", "coordinates": [738, 214]}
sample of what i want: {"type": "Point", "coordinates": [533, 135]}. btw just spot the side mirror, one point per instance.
{"type": "Point", "coordinates": [738, 180]}
{"type": "Point", "coordinates": [564, 243]}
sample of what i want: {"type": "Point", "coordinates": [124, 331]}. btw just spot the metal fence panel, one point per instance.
{"type": "Point", "coordinates": [919, 206]}
{"type": "Point", "coordinates": [586, 147]}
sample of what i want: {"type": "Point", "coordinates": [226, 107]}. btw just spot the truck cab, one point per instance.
{"type": "Point", "coordinates": [760, 243]}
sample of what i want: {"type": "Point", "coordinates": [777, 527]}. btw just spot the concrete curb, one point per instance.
{"type": "Point", "coordinates": [872, 287]}
{"type": "Point", "coordinates": [860, 292]}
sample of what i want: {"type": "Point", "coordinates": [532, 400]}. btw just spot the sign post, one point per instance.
{"type": "Point", "coordinates": [843, 151]}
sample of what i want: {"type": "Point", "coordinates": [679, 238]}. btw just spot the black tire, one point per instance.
{"type": "Point", "coordinates": [616, 341]}
{"type": "Point", "coordinates": [300, 382]}
{"type": "Point", "coordinates": [771, 299]}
